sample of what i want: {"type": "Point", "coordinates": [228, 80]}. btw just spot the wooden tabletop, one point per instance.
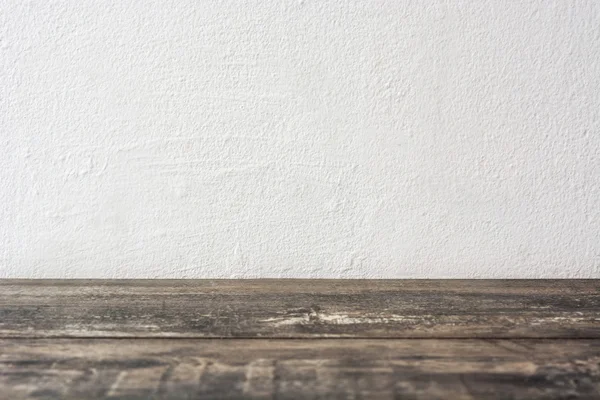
{"type": "Point", "coordinates": [299, 339]}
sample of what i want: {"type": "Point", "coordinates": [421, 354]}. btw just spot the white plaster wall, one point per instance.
{"type": "Point", "coordinates": [312, 138]}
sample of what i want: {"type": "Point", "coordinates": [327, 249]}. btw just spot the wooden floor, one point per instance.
{"type": "Point", "coordinates": [300, 339]}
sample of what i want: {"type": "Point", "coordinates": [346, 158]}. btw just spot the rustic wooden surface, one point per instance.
{"type": "Point", "coordinates": [299, 369]}
{"type": "Point", "coordinates": [301, 308]}
{"type": "Point", "coordinates": [295, 339]}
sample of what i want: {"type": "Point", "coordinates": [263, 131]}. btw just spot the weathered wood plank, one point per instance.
{"type": "Point", "coordinates": [299, 369]}
{"type": "Point", "coordinates": [301, 308]}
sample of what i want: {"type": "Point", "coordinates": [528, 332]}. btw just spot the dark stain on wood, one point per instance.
{"type": "Point", "coordinates": [297, 339]}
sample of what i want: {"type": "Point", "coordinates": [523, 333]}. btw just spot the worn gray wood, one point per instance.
{"type": "Point", "coordinates": [152, 339]}
{"type": "Point", "coordinates": [299, 369]}
{"type": "Point", "coordinates": [301, 308]}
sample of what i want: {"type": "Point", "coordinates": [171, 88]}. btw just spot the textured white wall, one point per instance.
{"type": "Point", "coordinates": [300, 138]}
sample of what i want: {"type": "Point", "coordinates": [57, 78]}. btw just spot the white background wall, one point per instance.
{"type": "Point", "coordinates": [300, 138]}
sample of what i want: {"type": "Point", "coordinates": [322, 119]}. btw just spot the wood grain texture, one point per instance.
{"type": "Point", "coordinates": [301, 308]}
{"type": "Point", "coordinates": [155, 339]}
{"type": "Point", "coordinates": [299, 369]}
